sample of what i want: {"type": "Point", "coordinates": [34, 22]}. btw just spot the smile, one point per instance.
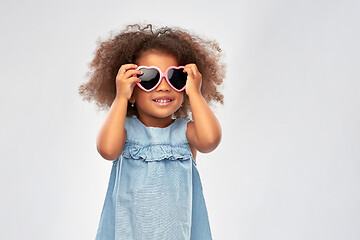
{"type": "Point", "coordinates": [162, 101]}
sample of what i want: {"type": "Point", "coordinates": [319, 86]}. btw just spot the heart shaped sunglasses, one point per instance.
{"type": "Point", "coordinates": [151, 77]}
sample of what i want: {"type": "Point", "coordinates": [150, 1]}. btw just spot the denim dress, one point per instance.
{"type": "Point", "coordinates": [154, 191]}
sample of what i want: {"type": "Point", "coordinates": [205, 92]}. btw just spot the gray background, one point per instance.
{"type": "Point", "coordinates": [288, 165]}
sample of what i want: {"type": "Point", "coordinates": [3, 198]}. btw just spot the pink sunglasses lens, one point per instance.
{"type": "Point", "coordinates": [149, 78]}
{"type": "Point", "coordinates": [177, 78]}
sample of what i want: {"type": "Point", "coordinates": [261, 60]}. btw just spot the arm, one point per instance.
{"type": "Point", "coordinates": [112, 135]}
{"type": "Point", "coordinates": [204, 133]}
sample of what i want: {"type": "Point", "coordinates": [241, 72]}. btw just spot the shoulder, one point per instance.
{"type": "Point", "coordinates": [183, 121]}
{"type": "Point", "coordinates": [130, 122]}
{"type": "Point", "coordinates": [132, 127]}
{"type": "Point", "coordinates": [179, 125]}
{"type": "Point", "coordinates": [130, 119]}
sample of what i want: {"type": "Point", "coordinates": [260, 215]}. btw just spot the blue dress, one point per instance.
{"type": "Point", "coordinates": [154, 191]}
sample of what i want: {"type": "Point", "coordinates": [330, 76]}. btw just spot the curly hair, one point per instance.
{"type": "Point", "coordinates": [128, 46]}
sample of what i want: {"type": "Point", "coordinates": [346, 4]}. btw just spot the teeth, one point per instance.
{"type": "Point", "coordinates": [162, 101]}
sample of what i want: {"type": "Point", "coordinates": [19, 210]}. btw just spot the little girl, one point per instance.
{"type": "Point", "coordinates": [151, 80]}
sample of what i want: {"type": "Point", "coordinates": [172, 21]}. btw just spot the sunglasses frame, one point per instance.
{"type": "Point", "coordinates": [162, 75]}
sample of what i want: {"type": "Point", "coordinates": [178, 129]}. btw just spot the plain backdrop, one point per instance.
{"type": "Point", "coordinates": [288, 166]}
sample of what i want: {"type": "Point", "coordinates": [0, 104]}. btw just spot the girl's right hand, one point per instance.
{"type": "Point", "coordinates": [125, 81]}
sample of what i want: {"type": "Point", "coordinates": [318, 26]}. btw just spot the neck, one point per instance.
{"type": "Point", "coordinates": [156, 122]}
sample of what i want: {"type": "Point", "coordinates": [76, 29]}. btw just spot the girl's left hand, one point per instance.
{"type": "Point", "coordinates": [194, 79]}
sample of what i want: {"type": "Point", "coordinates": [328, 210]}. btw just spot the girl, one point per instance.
{"type": "Point", "coordinates": [151, 79]}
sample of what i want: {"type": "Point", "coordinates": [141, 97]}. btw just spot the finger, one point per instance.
{"type": "Point", "coordinates": [130, 73]}
{"type": "Point", "coordinates": [194, 69]}
{"type": "Point", "coordinates": [191, 65]}
{"type": "Point", "coordinates": [134, 79]}
{"type": "Point", "coordinates": [126, 67]}
{"type": "Point", "coordinates": [132, 82]}
{"type": "Point", "coordinates": [188, 70]}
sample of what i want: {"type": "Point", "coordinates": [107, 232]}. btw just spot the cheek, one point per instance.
{"type": "Point", "coordinates": [138, 94]}
{"type": "Point", "coordinates": [181, 98]}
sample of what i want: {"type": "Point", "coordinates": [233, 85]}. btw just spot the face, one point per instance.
{"type": "Point", "coordinates": [155, 108]}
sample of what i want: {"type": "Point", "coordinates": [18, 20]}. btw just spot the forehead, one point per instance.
{"type": "Point", "coordinates": [157, 58]}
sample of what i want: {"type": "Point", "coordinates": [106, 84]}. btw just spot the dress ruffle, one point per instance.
{"type": "Point", "coordinates": [156, 152]}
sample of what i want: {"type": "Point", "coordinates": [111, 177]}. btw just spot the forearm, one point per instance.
{"type": "Point", "coordinates": [112, 135]}
{"type": "Point", "coordinates": [207, 127]}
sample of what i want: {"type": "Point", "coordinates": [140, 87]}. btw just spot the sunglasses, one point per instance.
{"type": "Point", "coordinates": [151, 77]}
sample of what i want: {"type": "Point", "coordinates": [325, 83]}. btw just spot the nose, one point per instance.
{"type": "Point", "coordinates": [163, 86]}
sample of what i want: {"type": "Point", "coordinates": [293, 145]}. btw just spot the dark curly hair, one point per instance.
{"type": "Point", "coordinates": [127, 47]}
